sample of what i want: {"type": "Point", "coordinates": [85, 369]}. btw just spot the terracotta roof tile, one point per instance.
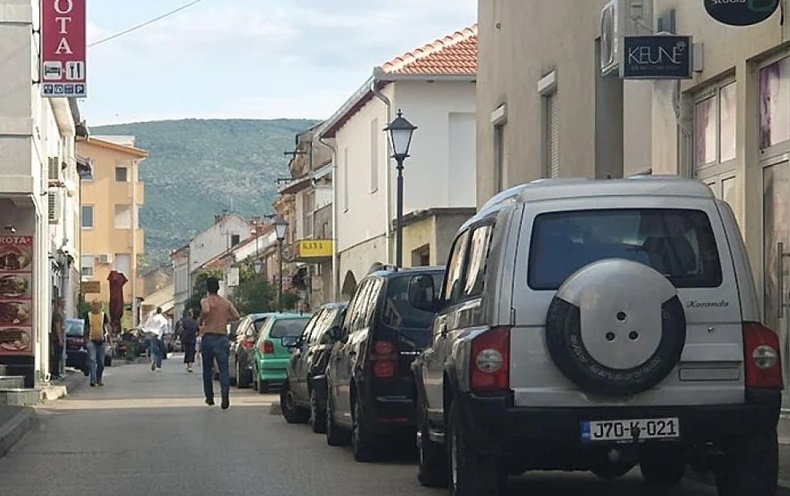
{"type": "Point", "coordinates": [455, 54]}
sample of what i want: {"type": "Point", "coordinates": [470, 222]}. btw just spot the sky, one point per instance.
{"type": "Point", "coordinates": [257, 59]}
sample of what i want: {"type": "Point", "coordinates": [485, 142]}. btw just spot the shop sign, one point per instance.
{"type": "Point", "coordinates": [90, 287]}
{"type": "Point", "coordinates": [315, 248]}
{"type": "Point", "coordinates": [741, 12]}
{"type": "Point", "coordinates": [63, 48]}
{"type": "Point", "coordinates": [657, 57]}
{"type": "Point", "coordinates": [16, 295]}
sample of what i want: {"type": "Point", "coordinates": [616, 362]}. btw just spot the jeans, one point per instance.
{"type": "Point", "coordinates": [215, 346]}
{"type": "Point", "coordinates": [96, 352]}
{"type": "Point", "coordinates": [156, 352]}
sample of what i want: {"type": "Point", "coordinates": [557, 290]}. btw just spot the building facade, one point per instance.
{"type": "Point", "coordinates": [434, 86]}
{"type": "Point", "coordinates": [112, 238]}
{"type": "Point", "coordinates": [39, 187]}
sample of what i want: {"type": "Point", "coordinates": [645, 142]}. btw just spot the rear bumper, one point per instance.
{"type": "Point", "coordinates": [77, 359]}
{"type": "Point", "coordinates": [273, 369]}
{"type": "Point", "coordinates": [494, 424]}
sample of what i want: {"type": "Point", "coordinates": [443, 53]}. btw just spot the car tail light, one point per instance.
{"type": "Point", "coordinates": [491, 360]}
{"type": "Point", "coordinates": [267, 348]}
{"type": "Point", "coordinates": [384, 360]}
{"type": "Point", "coordinates": [763, 362]}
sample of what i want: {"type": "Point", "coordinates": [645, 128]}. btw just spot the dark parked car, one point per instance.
{"type": "Point", "coordinates": [371, 390]}
{"type": "Point", "coordinates": [242, 347]}
{"type": "Point", "coordinates": [77, 347]}
{"type": "Point", "coordinates": [309, 359]}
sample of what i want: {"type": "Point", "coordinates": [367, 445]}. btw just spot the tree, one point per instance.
{"type": "Point", "coordinates": [199, 289]}
{"type": "Point", "coordinates": [254, 293]}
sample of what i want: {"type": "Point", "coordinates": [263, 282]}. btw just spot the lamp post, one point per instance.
{"type": "Point", "coordinates": [280, 229]}
{"type": "Point", "coordinates": [258, 266]}
{"type": "Point", "coordinates": [400, 133]}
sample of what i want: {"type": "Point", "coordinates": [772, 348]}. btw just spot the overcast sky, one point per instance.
{"type": "Point", "coordinates": [250, 58]}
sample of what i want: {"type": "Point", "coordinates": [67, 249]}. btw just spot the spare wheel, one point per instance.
{"type": "Point", "coordinates": [616, 327]}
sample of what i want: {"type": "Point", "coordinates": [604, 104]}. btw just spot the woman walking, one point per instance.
{"type": "Point", "coordinates": [189, 334]}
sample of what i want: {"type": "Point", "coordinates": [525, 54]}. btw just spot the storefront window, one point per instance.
{"type": "Point", "coordinates": [705, 143]}
{"type": "Point", "coordinates": [727, 121]}
{"type": "Point", "coordinates": [775, 103]}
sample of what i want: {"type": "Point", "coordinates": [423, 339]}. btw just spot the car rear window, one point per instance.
{"type": "Point", "coordinates": [74, 327]}
{"type": "Point", "coordinates": [398, 311]}
{"type": "Point", "coordinates": [677, 243]}
{"type": "Point", "coordinates": [288, 327]}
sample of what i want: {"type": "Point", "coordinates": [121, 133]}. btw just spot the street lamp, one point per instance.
{"type": "Point", "coordinates": [280, 228]}
{"type": "Point", "coordinates": [258, 266]}
{"type": "Point", "coordinates": [400, 133]}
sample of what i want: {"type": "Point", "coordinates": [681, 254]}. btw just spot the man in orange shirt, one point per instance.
{"type": "Point", "coordinates": [215, 313]}
{"type": "Point", "coordinates": [97, 336]}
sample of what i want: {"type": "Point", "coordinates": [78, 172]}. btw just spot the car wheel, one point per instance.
{"type": "Point", "coordinates": [292, 413]}
{"type": "Point", "coordinates": [317, 414]}
{"type": "Point", "coordinates": [471, 474]}
{"type": "Point", "coordinates": [86, 372]}
{"type": "Point", "coordinates": [107, 361]}
{"type": "Point", "coordinates": [335, 435]}
{"type": "Point", "coordinates": [263, 387]}
{"type": "Point", "coordinates": [432, 458]}
{"type": "Point", "coordinates": [363, 442]}
{"type": "Point", "coordinates": [240, 383]}
{"type": "Point", "coordinates": [750, 466]}
{"type": "Point", "coordinates": [662, 467]}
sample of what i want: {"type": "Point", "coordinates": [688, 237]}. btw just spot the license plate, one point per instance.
{"type": "Point", "coordinates": [626, 430]}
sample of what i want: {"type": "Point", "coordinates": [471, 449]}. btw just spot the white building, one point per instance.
{"type": "Point", "coordinates": [434, 86]}
{"type": "Point", "coordinates": [39, 182]}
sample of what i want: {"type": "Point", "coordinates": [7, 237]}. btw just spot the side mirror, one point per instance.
{"type": "Point", "coordinates": [421, 293]}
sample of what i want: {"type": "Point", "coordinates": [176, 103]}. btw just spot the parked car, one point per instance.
{"type": "Point", "coordinates": [597, 325]}
{"type": "Point", "coordinates": [271, 350]}
{"type": "Point", "coordinates": [77, 348]}
{"type": "Point", "coordinates": [132, 343]}
{"type": "Point", "coordinates": [369, 387]}
{"type": "Point", "coordinates": [310, 357]}
{"type": "Point", "coordinates": [242, 349]}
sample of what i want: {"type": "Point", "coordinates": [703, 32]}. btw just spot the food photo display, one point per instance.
{"type": "Point", "coordinates": [16, 295]}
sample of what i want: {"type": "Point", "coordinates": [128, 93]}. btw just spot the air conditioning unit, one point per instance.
{"type": "Point", "coordinates": [621, 18]}
{"type": "Point", "coordinates": [104, 259]}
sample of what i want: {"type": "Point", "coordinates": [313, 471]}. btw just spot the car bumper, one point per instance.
{"type": "Point", "coordinates": [273, 369]}
{"type": "Point", "coordinates": [494, 424]}
{"type": "Point", "coordinates": [77, 359]}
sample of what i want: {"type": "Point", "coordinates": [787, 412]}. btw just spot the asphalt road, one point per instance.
{"type": "Point", "coordinates": [147, 433]}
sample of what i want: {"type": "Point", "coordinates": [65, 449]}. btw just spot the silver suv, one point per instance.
{"type": "Point", "coordinates": [597, 325]}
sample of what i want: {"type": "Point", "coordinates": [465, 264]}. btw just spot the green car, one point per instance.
{"type": "Point", "coordinates": [271, 350]}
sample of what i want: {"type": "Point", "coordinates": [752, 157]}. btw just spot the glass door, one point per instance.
{"type": "Point", "coordinates": [776, 246]}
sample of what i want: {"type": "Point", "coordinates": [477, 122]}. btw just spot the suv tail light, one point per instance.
{"type": "Point", "coordinates": [762, 361]}
{"type": "Point", "coordinates": [490, 367]}
{"type": "Point", "coordinates": [384, 359]}
{"type": "Point", "coordinates": [267, 348]}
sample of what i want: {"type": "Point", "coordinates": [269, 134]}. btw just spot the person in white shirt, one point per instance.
{"type": "Point", "coordinates": [156, 327]}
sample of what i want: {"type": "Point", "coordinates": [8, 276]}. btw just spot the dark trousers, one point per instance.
{"type": "Point", "coordinates": [215, 346]}
{"type": "Point", "coordinates": [57, 355]}
{"type": "Point", "coordinates": [189, 351]}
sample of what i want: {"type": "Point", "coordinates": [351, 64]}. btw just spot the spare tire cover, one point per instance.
{"type": "Point", "coordinates": [616, 327]}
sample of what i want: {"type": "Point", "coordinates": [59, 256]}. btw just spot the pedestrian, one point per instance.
{"type": "Point", "coordinates": [57, 337]}
{"type": "Point", "coordinates": [156, 327]}
{"type": "Point", "coordinates": [215, 313]}
{"type": "Point", "coordinates": [188, 336]}
{"type": "Point", "coordinates": [97, 335]}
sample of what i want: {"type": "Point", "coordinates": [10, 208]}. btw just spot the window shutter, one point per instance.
{"type": "Point", "coordinates": [554, 136]}
{"type": "Point", "coordinates": [53, 166]}
{"type": "Point", "coordinates": [54, 206]}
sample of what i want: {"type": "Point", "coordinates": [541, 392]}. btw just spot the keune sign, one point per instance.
{"type": "Point", "coordinates": [741, 12]}
{"type": "Point", "coordinates": [63, 47]}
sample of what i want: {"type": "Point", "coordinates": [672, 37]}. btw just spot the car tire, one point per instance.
{"type": "Point", "coordinates": [470, 473]}
{"type": "Point", "coordinates": [86, 372]}
{"type": "Point", "coordinates": [750, 466]}
{"type": "Point", "coordinates": [292, 413]}
{"type": "Point", "coordinates": [317, 414]}
{"type": "Point", "coordinates": [335, 435]}
{"type": "Point", "coordinates": [107, 361]}
{"type": "Point", "coordinates": [431, 457]}
{"type": "Point", "coordinates": [241, 380]}
{"type": "Point", "coordinates": [662, 467]}
{"type": "Point", "coordinates": [263, 387]}
{"type": "Point", "coordinates": [363, 442]}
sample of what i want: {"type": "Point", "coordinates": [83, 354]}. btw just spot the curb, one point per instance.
{"type": "Point", "coordinates": [708, 479]}
{"type": "Point", "coordinates": [12, 431]}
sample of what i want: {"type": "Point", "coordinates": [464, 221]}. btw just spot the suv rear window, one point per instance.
{"type": "Point", "coordinates": [288, 327]}
{"type": "Point", "coordinates": [74, 327]}
{"type": "Point", "coordinates": [677, 243]}
{"type": "Point", "coordinates": [399, 313]}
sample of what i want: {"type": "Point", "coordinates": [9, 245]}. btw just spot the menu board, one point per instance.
{"type": "Point", "coordinates": [16, 295]}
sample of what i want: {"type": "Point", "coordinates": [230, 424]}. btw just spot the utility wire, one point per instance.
{"type": "Point", "coordinates": [144, 24]}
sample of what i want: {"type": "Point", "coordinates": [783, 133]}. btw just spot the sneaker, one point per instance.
{"type": "Point", "coordinates": [225, 401]}
{"type": "Point", "coordinates": [210, 401]}
{"type": "Point", "coordinates": [153, 366]}
{"type": "Point", "coordinates": [159, 370]}
{"type": "Point", "coordinates": [93, 384]}
{"type": "Point", "coordinates": [100, 383]}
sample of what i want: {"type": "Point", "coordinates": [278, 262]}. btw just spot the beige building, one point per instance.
{"type": "Point", "coordinates": [111, 235]}
{"type": "Point", "coordinates": [546, 110]}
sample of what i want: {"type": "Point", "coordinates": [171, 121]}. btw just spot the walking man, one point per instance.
{"type": "Point", "coordinates": [97, 335]}
{"type": "Point", "coordinates": [189, 332]}
{"type": "Point", "coordinates": [57, 337]}
{"type": "Point", "coordinates": [156, 327]}
{"type": "Point", "coordinates": [215, 313]}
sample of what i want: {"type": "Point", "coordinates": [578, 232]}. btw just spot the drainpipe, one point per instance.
{"type": "Point", "coordinates": [335, 258]}
{"type": "Point", "coordinates": [387, 175]}
{"type": "Point", "coordinates": [133, 275]}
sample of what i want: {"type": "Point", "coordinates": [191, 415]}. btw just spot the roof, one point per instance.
{"type": "Point", "coordinates": [391, 273]}
{"type": "Point", "coordinates": [129, 150]}
{"type": "Point", "coordinates": [454, 54]}
{"type": "Point", "coordinates": [452, 57]}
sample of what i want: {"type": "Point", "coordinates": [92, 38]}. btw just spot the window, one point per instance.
{"type": "Point", "coordinates": [308, 209]}
{"type": "Point", "coordinates": [121, 174]}
{"type": "Point", "coordinates": [399, 314]}
{"type": "Point", "coordinates": [288, 327]}
{"type": "Point", "coordinates": [677, 243]}
{"type": "Point", "coordinates": [87, 217]}
{"type": "Point", "coordinates": [500, 157]}
{"type": "Point", "coordinates": [87, 263]}
{"type": "Point", "coordinates": [235, 239]}
{"type": "Point", "coordinates": [775, 103]}
{"type": "Point", "coordinates": [123, 217]}
{"type": "Point", "coordinates": [123, 263]}
{"type": "Point", "coordinates": [452, 286]}
{"type": "Point", "coordinates": [714, 126]}
{"type": "Point", "coordinates": [346, 176]}
{"type": "Point", "coordinates": [375, 134]}
{"type": "Point", "coordinates": [551, 133]}
{"type": "Point", "coordinates": [478, 255]}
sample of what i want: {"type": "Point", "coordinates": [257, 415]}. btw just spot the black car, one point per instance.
{"type": "Point", "coordinates": [370, 389]}
{"type": "Point", "coordinates": [242, 335]}
{"type": "Point", "coordinates": [310, 357]}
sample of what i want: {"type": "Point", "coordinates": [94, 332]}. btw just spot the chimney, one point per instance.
{"type": "Point", "coordinates": [217, 218]}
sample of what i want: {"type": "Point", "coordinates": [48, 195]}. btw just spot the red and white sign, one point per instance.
{"type": "Point", "coordinates": [63, 48]}
{"type": "Point", "coordinates": [16, 295]}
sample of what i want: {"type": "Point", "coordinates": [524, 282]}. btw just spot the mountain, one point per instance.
{"type": "Point", "coordinates": [197, 168]}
